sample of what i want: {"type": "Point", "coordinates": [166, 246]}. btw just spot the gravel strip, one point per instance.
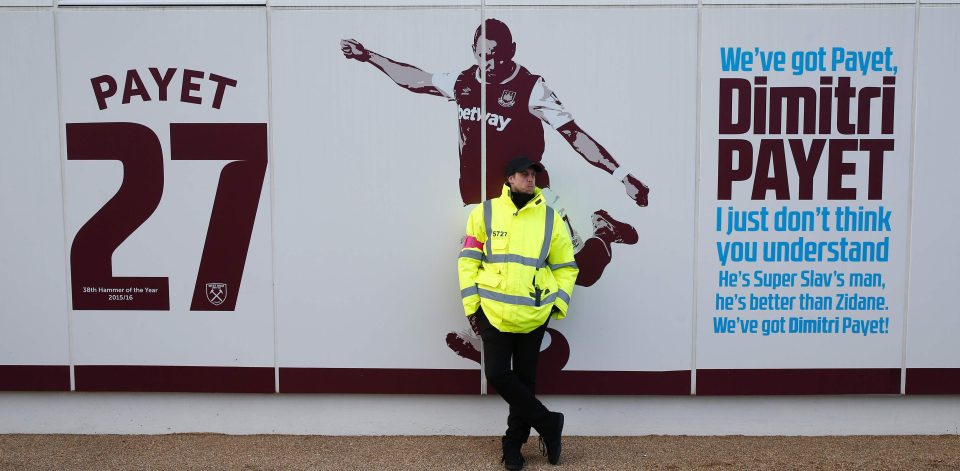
{"type": "Point", "coordinates": [289, 452]}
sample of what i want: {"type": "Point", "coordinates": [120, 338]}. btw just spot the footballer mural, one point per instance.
{"type": "Point", "coordinates": [518, 104]}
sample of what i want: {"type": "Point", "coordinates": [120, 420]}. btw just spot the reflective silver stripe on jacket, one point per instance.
{"type": "Point", "coordinates": [547, 235]}
{"type": "Point", "coordinates": [471, 254]}
{"type": "Point", "coordinates": [488, 224]}
{"type": "Point", "coordinates": [515, 300]}
{"type": "Point", "coordinates": [502, 258]}
{"type": "Point", "coordinates": [511, 299]}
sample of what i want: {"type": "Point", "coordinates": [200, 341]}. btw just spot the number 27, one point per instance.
{"type": "Point", "coordinates": [138, 149]}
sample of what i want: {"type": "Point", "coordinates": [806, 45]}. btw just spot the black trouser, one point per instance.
{"type": "Point", "coordinates": [515, 385]}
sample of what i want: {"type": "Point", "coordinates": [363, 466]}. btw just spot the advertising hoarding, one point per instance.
{"type": "Point", "coordinates": [805, 178]}
{"type": "Point", "coordinates": [167, 198]}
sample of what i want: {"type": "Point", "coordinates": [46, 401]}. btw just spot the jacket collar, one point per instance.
{"type": "Point", "coordinates": [535, 201]}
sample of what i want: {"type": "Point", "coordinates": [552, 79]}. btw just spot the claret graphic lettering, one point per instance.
{"type": "Point", "coordinates": [139, 148]}
{"type": "Point", "coordinates": [835, 107]}
{"type": "Point", "coordinates": [191, 81]}
{"type": "Point", "coordinates": [498, 122]}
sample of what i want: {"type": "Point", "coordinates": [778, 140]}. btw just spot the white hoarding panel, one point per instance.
{"type": "Point", "coordinates": [367, 220]}
{"type": "Point", "coordinates": [575, 3]}
{"type": "Point", "coordinates": [375, 3]}
{"type": "Point", "coordinates": [368, 206]}
{"type": "Point", "coordinates": [803, 2]}
{"type": "Point", "coordinates": [171, 3]}
{"type": "Point", "coordinates": [33, 296]}
{"type": "Point", "coordinates": [167, 197]}
{"type": "Point", "coordinates": [803, 213]}
{"type": "Point", "coordinates": [26, 3]}
{"type": "Point", "coordinates": [933, 354]}
{"type": "Point", "coordinates": [606, 95]}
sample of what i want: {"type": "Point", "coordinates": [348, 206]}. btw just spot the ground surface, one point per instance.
{"type": "Point", "coordinates": [285, 452]}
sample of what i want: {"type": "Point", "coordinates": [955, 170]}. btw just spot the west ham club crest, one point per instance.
{"type": "Point", "coordinates": [216, 293]}
{"type": "Point", "coordinates": [507, 99]}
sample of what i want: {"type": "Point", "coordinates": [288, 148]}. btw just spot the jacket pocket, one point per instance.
{"type": "Point", "coordinates": [489, 278]}
{"type": "Point", "coordinates": [545, 281]}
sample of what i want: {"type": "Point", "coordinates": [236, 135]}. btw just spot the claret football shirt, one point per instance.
{"type": "Point", "coordinates": [515, 108]}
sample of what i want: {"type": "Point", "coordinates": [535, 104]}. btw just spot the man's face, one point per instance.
{"type": "Point", "coordinates": [523, 182]}
{"type": "Point", "coordinates": [497, 59]}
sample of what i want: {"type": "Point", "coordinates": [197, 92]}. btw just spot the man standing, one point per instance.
{"type": "Point", "coordinates": [516, 270]}
{"type": "Point", "coordinates": [518, 102]}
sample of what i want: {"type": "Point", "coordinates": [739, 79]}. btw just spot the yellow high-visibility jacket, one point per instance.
{"type": "Point", "coordinates": [506, 267]}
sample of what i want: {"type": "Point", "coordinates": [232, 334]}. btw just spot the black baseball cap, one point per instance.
{"type": "Point", "coordinates": [519, 164]}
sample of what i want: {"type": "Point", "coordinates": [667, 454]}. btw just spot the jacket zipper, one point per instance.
{"type": "Point", "coordinates": [536, 289]}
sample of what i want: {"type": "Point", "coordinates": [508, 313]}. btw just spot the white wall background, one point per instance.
{"type": "Point", "coordinates": [32, 250]}
{"type": "Point", "coordinates": [157, 413]}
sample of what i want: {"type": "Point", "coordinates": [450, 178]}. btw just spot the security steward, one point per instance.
{"type": "Point", "coordinates": [516, 271]}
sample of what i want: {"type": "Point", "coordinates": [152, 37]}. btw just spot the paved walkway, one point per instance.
{"type": "Point", "coordinates": [287, 452]}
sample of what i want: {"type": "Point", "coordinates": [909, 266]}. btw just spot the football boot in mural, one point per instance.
{"type": "Point", "coordinates": [612, 231]}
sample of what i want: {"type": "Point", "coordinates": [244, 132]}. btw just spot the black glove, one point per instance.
{"type": "Point", "coordinates": [475, 321]}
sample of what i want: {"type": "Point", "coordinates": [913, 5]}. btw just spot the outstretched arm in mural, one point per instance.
{"type": "Point", "coordinates": [593, 152]}
{"type": "Point", "coordinates": [405, 75]}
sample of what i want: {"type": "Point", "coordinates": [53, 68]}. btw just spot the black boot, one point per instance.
{"type": "Point", "coordinates": [550, 431]}
{"type": "Point", "coordinates": [512, 459]}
